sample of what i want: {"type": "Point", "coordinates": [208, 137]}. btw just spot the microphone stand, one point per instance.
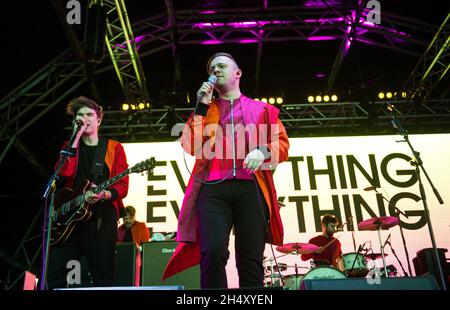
{"type": "Point", "coordinates": [417, 162]}
{"type": "Point", "coordinates": [354, 261]}
{"type": "Point", "coordinates": [398, 260]}
{"type": "Point", "coordinates": [397, 212]}
{"type": "Point", "coordinates": [48, 209]}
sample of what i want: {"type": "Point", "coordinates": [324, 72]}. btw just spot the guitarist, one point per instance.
{"type": "Point", "coordinates": [95, 159]}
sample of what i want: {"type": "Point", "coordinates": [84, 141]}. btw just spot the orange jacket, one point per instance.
{"type": "Point", "coordinates": [139, 232]}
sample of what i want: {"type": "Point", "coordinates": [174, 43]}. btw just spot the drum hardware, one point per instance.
{"type": "Point", "coordinates": [397, 214]}
{"type": "Point", "coordinates": [388, 241]}
{"type": "Point", "coordinates": [360, 249]}
{"type": "Point", "coordinates": [275, 272]}
{"type": "Point", "coordinates": [379, 223]}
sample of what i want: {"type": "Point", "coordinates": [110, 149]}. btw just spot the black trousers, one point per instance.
{"type": "Point", "coordinates": [96, 239]}
{"type": "Point", "coordinates": [238, 203]}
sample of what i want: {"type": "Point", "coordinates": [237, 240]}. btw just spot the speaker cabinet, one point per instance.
{"type": "Point", "coordinates": [127, 264]}
{"type": "Point", "coordinates": [411, 283]}
{"type": "Point", "coordinates": [155, 256]}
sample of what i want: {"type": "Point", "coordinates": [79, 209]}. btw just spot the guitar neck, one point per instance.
{"type": "Point", "coordinates": [111, 181]}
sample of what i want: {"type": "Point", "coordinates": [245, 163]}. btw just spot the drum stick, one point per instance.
{"type": "Point", "coordinates": [330, 242]}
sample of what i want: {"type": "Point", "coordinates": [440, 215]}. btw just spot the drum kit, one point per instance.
{"type": "Point", "coordinates": [348, 266]}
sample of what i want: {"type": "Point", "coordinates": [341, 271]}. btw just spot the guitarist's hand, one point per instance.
{"type": "Point", "coordinates": [91, 198]}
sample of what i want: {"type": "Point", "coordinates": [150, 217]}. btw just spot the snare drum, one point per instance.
{"type": "Point", "coordinates": [360, 269]}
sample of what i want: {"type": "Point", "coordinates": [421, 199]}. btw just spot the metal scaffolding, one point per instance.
{"type": "Point", "coordinates": [299, 119]}
{"type": "Point", "coordinates": [121, 45]}
{"type": "Point", "coordinates": [432, 66]}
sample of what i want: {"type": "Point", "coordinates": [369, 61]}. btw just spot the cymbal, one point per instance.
{"type": "Point", "coordinates": [375, 223]}
{"type": "Point", "coordinates": [374, 256]}
{"type": "Point", "coordinates": [297, 248]}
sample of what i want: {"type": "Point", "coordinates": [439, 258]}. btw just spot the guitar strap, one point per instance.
{"type": "Point", "coordinates": [99, 159]}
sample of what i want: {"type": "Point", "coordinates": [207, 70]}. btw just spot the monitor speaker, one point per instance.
{"type": "Point", "coordinates": [155, 256]}
{"type": "Point", "coordinates": [411, 283]}
{"type": "Point", "coordinates": [126, 264]}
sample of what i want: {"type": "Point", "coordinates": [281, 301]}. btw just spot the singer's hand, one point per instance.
{"type": "Point", "coordinates": [79, 126]}
{"type": "Point", "coordinates": [206, 89]}
{"type": "Point", "coordinates": [253, 161]}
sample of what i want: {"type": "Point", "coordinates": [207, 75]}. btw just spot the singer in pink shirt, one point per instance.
{"type": "Point", "coordinates": [237, 143]}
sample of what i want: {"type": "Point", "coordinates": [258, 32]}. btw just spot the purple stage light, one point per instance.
{"type": "Point", "coordinates": [322, 38]}
{"type": "Point", "coordinates": [207, 12]}
{"type": "Point", "coordinates": [248, 41]}
{"type": "Point", "coordinates": [211, 42]}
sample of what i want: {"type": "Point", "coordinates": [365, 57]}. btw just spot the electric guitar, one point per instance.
{"type": "Point", "coordinates": [71, 206]}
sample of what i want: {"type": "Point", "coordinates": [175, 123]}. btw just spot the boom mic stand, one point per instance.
{"type": "Point", "coordinates": [48, 209]}
{"type": "Point", "coordinates": [418, 164]}
{"type": "Point", "coordinates": [398, 260]}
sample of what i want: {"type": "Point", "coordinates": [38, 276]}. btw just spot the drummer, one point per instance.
{"type": "Point", "coordinates": [330, 254]}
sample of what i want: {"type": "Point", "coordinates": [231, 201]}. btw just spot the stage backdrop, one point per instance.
{"type": "Point", "coordinates": [323, 175]}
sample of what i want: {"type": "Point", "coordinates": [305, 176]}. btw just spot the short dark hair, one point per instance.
{"type": "Point", "coordinates": [218, 55]}
{"type": "Point", "coordinates": [131, 211]}
{"type": "Point", "coordinates": [81, 102]}
{"type": "Point", "coordinates": [329, 219]}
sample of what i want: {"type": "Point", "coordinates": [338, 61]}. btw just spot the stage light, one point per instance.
{"type": "Point", "coordinates": [264, 100]}
{"type": "Point", "coordinates": [271, 100]}
{"type": "Point", "coordinates": [318, 98]}
{"type": "Point", "coordinates": [279, 100]}
{"type": "Point", "coordinates": [381, 95]}
{"type": "Point", "coordinates": [141, 106]}
{"type": "Point", "coordinates": [257, 99]}
{"type": "Point", "coordinates": [133, 107]}
{"type": "Point", "coordinates": [310, 99]}
{"type": "Point", "coordinates": [326, 98]}
{"type": "Point", "coordinates": [334, 98]}
{"type": "Point", "coordinates": [389, 95]}
{"type": "Point", "coordinates": [403, 94]}
{"type": "Point", "coordinates": [125, 107]}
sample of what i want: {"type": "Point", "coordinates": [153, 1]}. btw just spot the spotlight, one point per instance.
{"type": "Point", "coordinates": [257, 99]}
{"type": "Point", "coordinates": [334, 98]}
{"type": "Point", "coordinates": [264, 100]}
{"type": "Point", "coordinates": [318, 98]}
{"type": "Point", "coordinates": [271, 100]}
{"type": "Point", "coordinates": [403, 94]}
{"type": "Point", "coordinates": [389, 95]}
{"type": "Point", "coordinates": [310, 99]}
{"type": "Point", "coordinates": [326, 98]}
{"type": "Point", "coordinates": [125, 107]}
{"type": "Point", "coordinates": [381, 95]}
{"type": "Point", "coordinates": [279, 100]}
{"type": "Point", "coordinates": [141, 106]}
{"type": "Point", "coordinates": [133, 107]}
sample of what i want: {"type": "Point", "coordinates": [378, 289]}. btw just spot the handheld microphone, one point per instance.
{"type": "Point", "coordinates": [79, 123]}
{"type": "Point", "coordinates": [212, 79]}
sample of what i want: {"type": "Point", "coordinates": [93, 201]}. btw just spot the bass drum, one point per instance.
{"type": "Point", "coordinates": [324, 272]}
